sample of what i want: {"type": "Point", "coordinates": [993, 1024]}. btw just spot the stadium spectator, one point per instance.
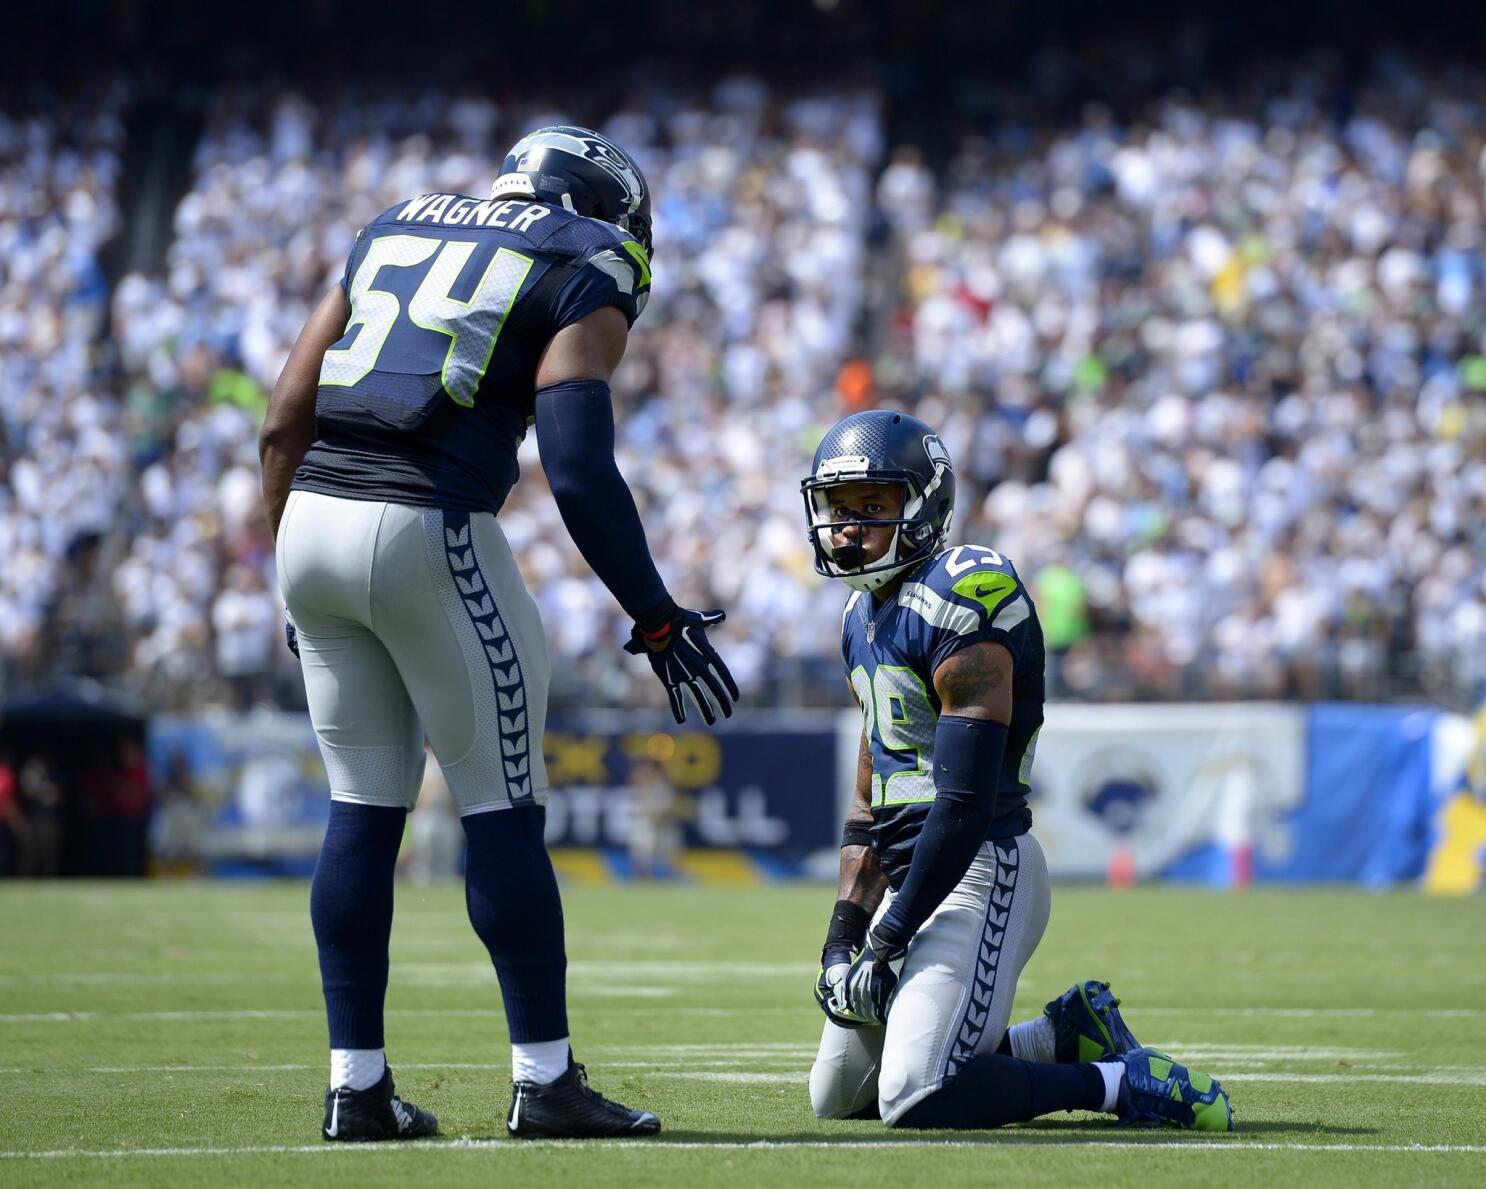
{"type": "Point", "coordinates": [13, 826]}
{"type": "Point", "coordinates": [42, 798]}
{"type": "Point", "coordinates": [1213, 367]}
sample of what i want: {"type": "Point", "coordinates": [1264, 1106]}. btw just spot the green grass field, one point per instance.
{"type": "Point", "coordinates": [172, 1033]}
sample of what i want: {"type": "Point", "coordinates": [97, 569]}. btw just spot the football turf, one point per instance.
{"type": "Point", "coordinates": [172, 1033]}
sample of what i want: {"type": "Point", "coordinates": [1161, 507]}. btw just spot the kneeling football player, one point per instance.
{"type": "Point", "coordinates": [944, 893]}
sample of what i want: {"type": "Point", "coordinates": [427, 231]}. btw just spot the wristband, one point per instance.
{"type": "Point", "coordinates": [857, 833]}
{"type": "Point", "coordinates": [656, 622]}
{"type": "Point", "coordinates": [848, 927]}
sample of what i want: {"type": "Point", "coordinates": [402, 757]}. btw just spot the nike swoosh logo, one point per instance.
{"type": "Point", "coordinates": [335, 1116]}
{"type": "Point", "coordinates": [516, 1112]}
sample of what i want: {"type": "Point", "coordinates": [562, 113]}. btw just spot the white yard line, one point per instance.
{"type": "Point", "coordinates": [658, 1147]}
{"type": "Point", "coordinates": [1319, 1013]}
{"type": "Point", "coordinates": [765, 1079]}
{"type": "Point", "coordinates": [653, 991]}
{"type": "Point", "coordinates": [1259, 1052]}
{"type": "Point", "coordinates": [1431, 1078]}
{"type": "Point", "coordinates": [717, 1071]}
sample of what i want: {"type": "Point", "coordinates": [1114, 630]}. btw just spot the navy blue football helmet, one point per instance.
{"type": "Point", "coordinates": [880, 446]}
{"type": "Point", "coordinates": [582, 171]}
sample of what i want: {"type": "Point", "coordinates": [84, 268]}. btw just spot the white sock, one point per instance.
{"type": "Point", "coordinates": [1113, 1073]}
{"type": "Point", "coordinates": [1034, 1040]}
{"type": "Point", "coordinates": [543, 1062]}
{"type": "Point", "coordinates": [357, 1069]}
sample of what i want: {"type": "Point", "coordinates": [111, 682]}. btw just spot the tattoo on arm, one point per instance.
{"type": "Point", "coordinates": [862, 880]}
{"type": "Point", "coordinates": [976, 682]}
{"type": "Point", "coordinates": [861, 806]}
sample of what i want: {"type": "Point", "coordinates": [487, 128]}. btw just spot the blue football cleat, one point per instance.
{"type": "Point", "coordinates": [1087, 1024]}
{"type": "Point", "coordinates": [1156, 1091]}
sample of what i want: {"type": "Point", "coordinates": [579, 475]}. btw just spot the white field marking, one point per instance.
{"type": "Point", "coordinates": [213, 1068]}
{"type": "Point", "coordinates": [771, 1079]}
{"type": "Point", "coordinates": [1000, 1139]}
{"type": "Point", "coordinates": [152, 976]}
{"type": "Point", "coordinates": [72, 1017]}
{"type": "Point", "coordinates": [1242, 1052]}
{"type": "Point", "coordinates": [659, 1068]}
{"type": "Point", "coordinates": [1320, 1013]}
{"type": "Point", "coordinates": [617, 972]}
{"type": "Point", "coordinates": [730, 1050]}
{"type": "Point", "coordinates": [1431, 1078]}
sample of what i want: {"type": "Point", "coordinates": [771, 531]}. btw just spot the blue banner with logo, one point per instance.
{"type": "Point", "coordinates": [247, 794]}
{"type": "Point", "coordinates": [1365, 815]}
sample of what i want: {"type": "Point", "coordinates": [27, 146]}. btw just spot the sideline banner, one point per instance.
{"type": "Point", "coordinates": [1218, 794]}
{"type": "Point", "coordinates": [766, 782]}
{"type": "Point", "coordinates": [243, 793]}
{"type": "Point", "coordinates": [1457, 855]}
{"type": "Point", "coordinates": [248, 793]}
{"type": "Point", "coordinates": [1368, 800]}
{"type": "Point", "coordinates": [1167, 791]}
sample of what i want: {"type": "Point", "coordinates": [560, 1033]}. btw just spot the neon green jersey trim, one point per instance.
{"type": "Point", "coordinates": [988, 588]}
{"type": "Point", "coordinates": [638, 252]}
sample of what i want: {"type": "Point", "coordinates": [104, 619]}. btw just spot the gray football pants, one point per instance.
{"type": "Point", "coordinates": [415, 620]}
{"type": "Point", "coordinates": [954, 993]}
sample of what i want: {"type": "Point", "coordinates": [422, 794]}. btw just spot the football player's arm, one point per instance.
{"type": "Point", "coordinates": [289, 424]}
{"type": "Point", "coordinates": [575, 437]}
{"type": "Point", "coordinates": [862, 881]}
{"type": "Point", "coordinates": [974, 688]}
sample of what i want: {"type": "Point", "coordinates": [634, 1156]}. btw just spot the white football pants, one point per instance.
{"type": "Point", "coordinates": [413, 620]}
{"type": "Point", "coordinates": [954, 993]}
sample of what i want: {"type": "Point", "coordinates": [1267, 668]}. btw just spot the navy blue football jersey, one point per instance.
{"type": "Point", "coordinates": [958, 598]}
{"type": "Point", "coordinates": [428, 394]}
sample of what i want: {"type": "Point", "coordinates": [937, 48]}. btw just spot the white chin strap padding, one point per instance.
{"type": "Point", "coordinates": [878, 578]}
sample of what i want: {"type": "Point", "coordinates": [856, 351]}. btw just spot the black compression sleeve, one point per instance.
{"type": "Point", "coordinates": [575, 437]}
{"type": "Point", "coordinates": [967, 769]}
{"type": "Point", "coordinates": [848, 926]}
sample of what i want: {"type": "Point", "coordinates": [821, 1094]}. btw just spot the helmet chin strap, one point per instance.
{"type": "Point", "coordinates": [879, 578]}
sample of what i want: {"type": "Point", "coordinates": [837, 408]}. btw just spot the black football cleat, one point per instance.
{"type": "Point", "coordinates": [375, 1113]}
{"type": "Point", "coordinates": [570, 1108]}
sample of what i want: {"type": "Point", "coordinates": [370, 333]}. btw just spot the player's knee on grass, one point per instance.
{"type": "Point", "coordinates": [911, 1067]}
{"type": "Point", "coordinates": [832, 1097]}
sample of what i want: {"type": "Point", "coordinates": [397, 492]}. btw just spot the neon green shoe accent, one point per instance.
{"type": "Point", "coordinates": [1090, 1049]}
{"type": "Point", "coordinates": [1087, 1025]}
{"type": "Point", "coordinates": [1216, 1115]}
{"type": "Point", "coordinates": [1210, 1116]}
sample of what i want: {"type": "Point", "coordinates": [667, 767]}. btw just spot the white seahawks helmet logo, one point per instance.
{"type": "Point", "coordinates": [934, 448]}
{"type": "Point", "coordinates": [590, 148]}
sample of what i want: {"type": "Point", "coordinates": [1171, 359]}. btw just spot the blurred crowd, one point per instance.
{"type": "Point", "coordinates": [1212, 374]}
{"type": "Point", "coordinates": [64, 461]}
{"type": "Point", "coordinates": [1219, 376]}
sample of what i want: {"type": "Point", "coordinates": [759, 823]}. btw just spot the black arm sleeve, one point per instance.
{"type": "Point", "coordinates": [575, 437]}
{"type": "Point", "coordinates": [967, 768]}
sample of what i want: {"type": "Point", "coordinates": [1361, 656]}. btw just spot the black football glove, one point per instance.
{"type": "Point", "coordinates": [291, 635]}
{"type": "Point", "coordinates": [688, 660]}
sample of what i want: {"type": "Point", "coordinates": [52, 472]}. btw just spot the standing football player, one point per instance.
{"type": "Point", "coordinates": [944, 893]}
{"type": "Point", "coordinates": [388, 449]}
